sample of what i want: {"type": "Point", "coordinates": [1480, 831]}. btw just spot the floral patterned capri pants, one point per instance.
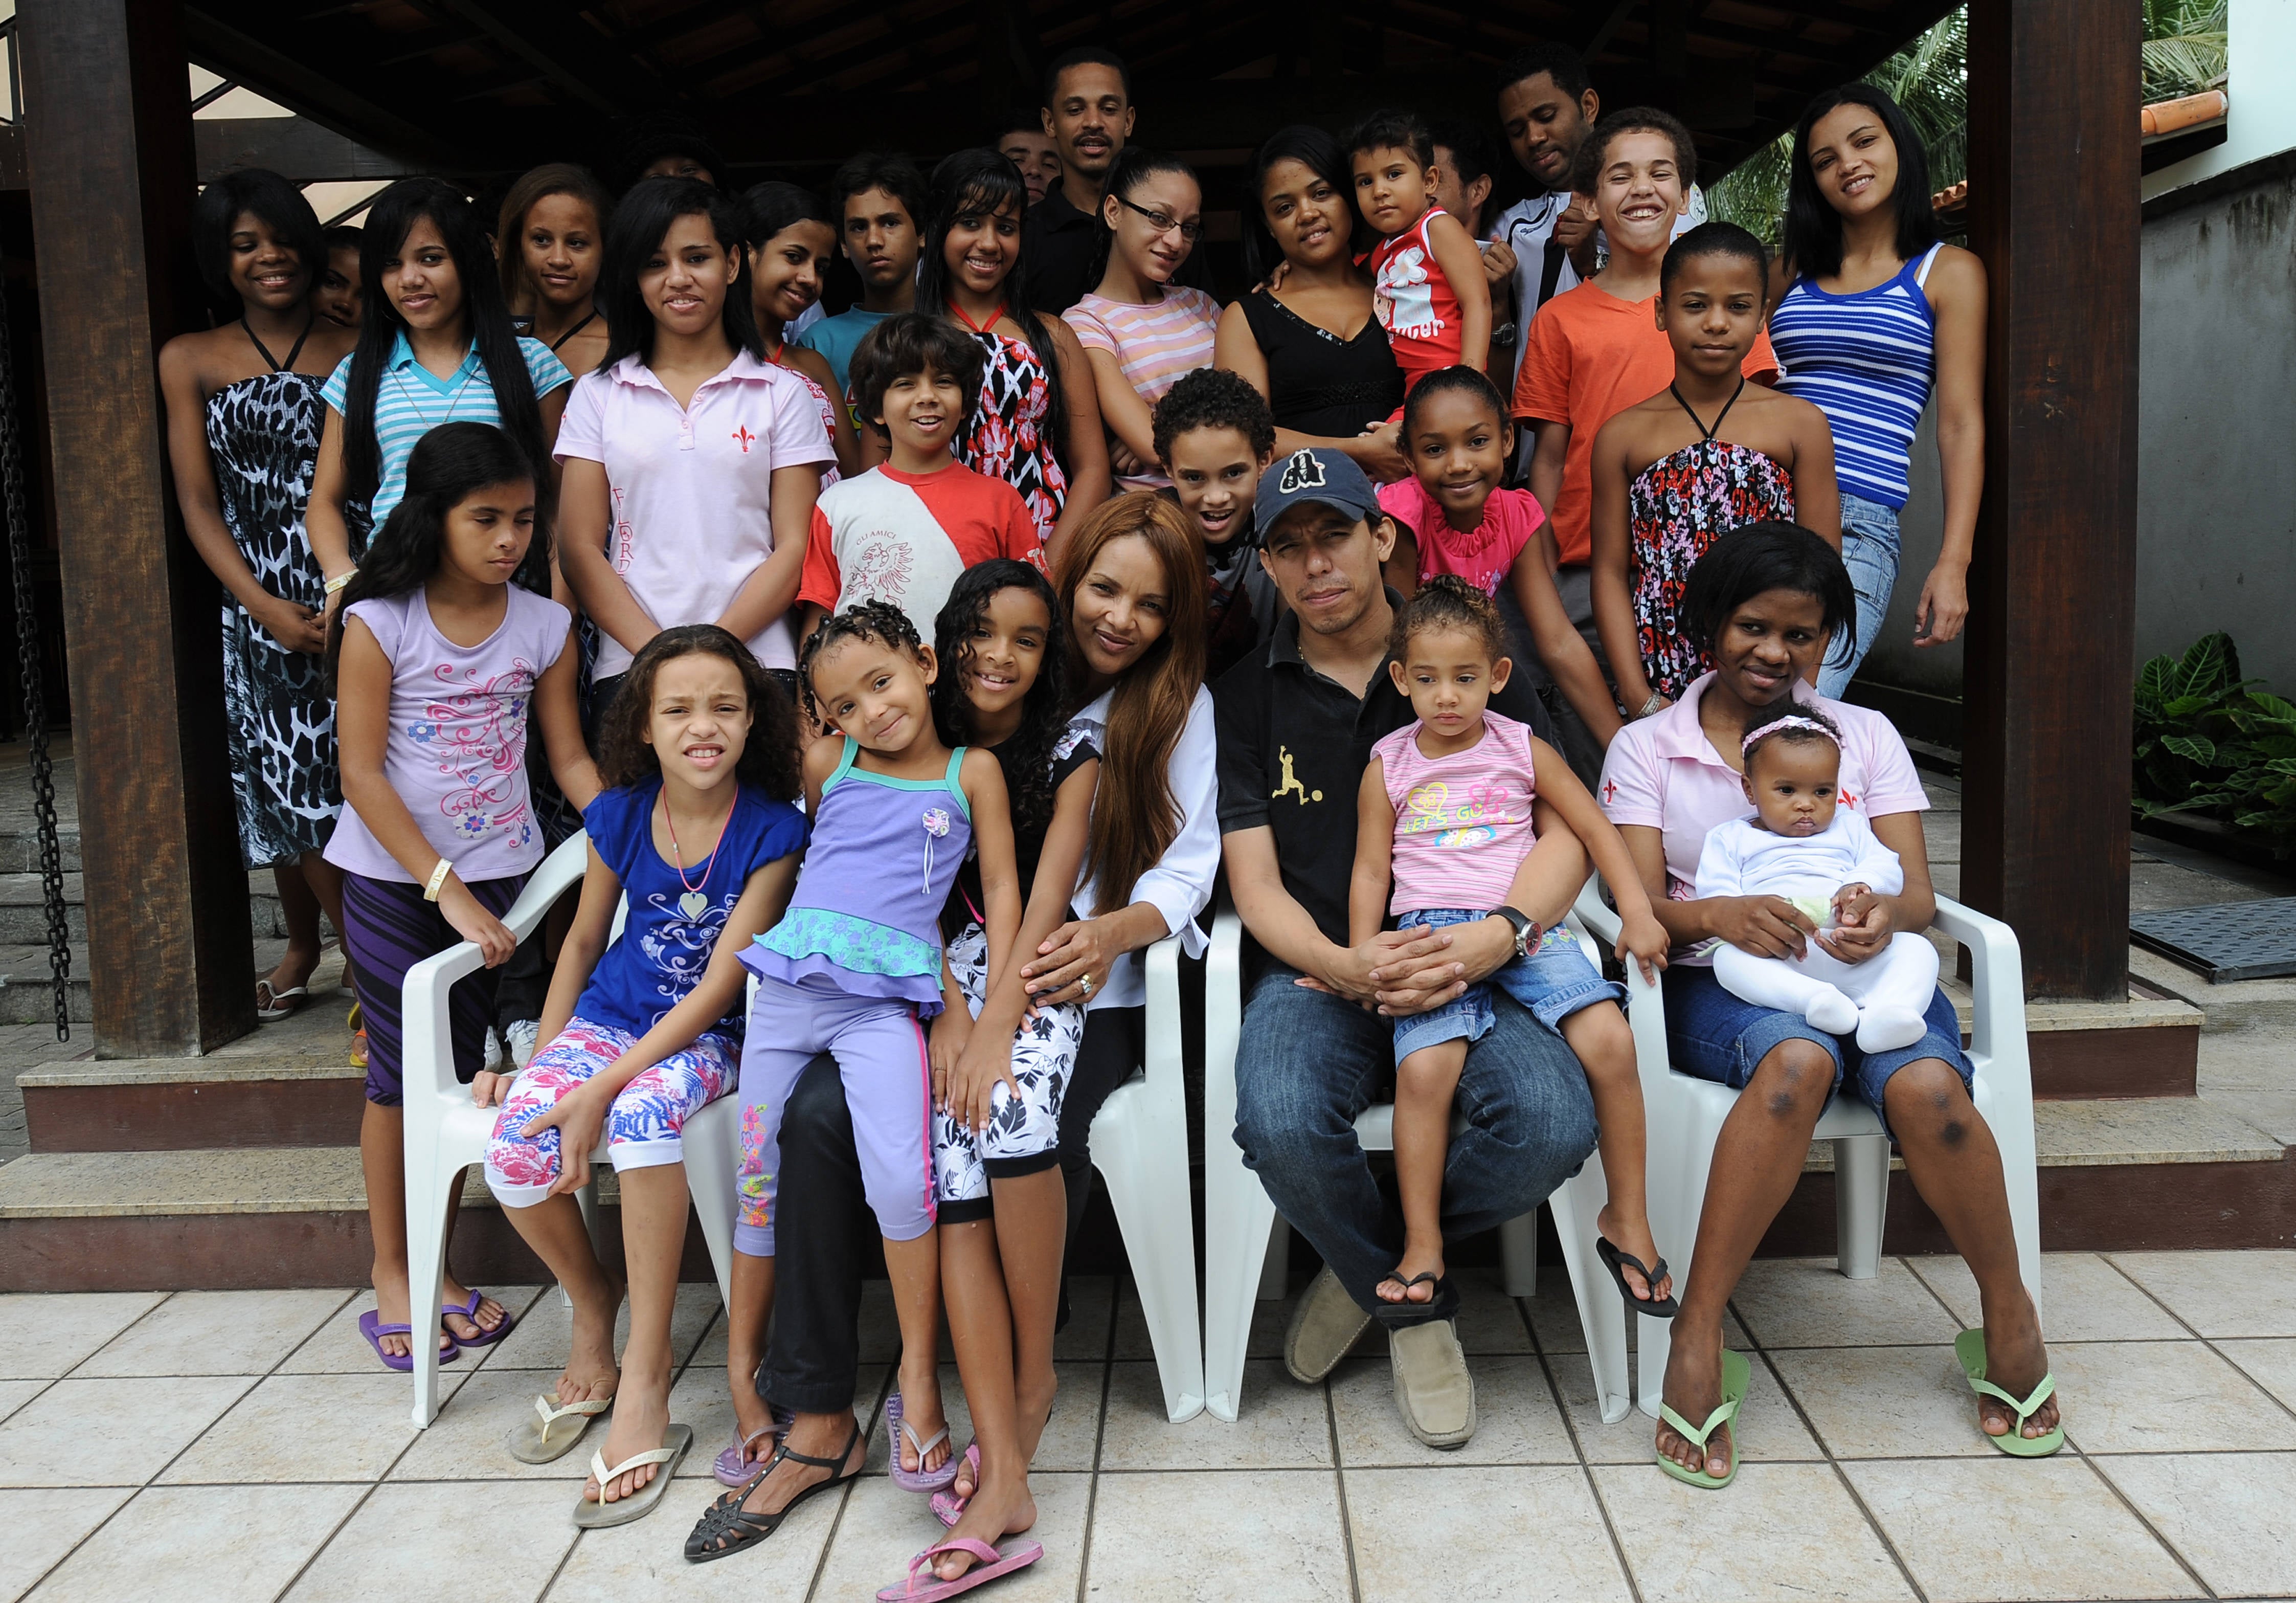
{"type": "Point", "coordinates": [1024, 1131]}
{"type": "Point", "coordinates": [645, 1127]}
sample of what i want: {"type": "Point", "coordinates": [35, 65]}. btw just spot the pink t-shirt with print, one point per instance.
{"type": "Point", "coordinates": [1482, 555]}
{"type": "Point", "coordinates": [456, 750]}
{"type": "Point", "coordinates": [1463, 822]}
{"type": "Point", "coordinates": [1663, 773]}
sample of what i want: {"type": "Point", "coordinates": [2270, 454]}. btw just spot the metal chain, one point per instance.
{"type": "Point", "coordinates": [28, 662]}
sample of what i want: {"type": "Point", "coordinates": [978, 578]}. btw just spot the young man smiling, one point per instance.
{"type": "Point", "coordinates": [880, 201]}
{"type": "Point", "coordinates": [1296, 722]}
{"type": "Point", "coordinates": [1088, 114]}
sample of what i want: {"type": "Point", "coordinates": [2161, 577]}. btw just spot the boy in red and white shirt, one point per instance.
{"type": "Point", "coordinates": [1428, 286]}
{"type": "Point", "coordinates": [903, 532]}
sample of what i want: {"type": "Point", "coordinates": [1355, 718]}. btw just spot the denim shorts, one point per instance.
{"type": "Point", "coordinates": [1713, 1035]}
{"type": "Point", "coordinates": [1556, 981]}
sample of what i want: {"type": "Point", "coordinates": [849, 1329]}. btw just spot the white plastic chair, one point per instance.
{"type": "Point", "coordinates": [1140, 1146]}
{"type": "Point", "coordinates": [1685, 1116]}
{"type": "Point", "coordinates": [1241, 1264]}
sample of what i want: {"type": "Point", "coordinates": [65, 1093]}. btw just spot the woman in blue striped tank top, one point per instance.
{"type": "Point", "coordinates": [1873, 312]}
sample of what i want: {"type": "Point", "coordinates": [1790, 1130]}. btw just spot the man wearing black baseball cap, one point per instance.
{"type": "Point", "coordinates": [1296, 725]}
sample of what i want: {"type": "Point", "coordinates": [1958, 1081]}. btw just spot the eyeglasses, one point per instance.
{"type": "Point", "coordinates": [1157, 220]}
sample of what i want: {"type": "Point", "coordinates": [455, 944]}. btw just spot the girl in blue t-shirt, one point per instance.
{"type": "Point", "coordinates": [696, 831]}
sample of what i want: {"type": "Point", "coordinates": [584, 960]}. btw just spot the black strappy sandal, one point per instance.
{"type": "Point", "coordinates": [1617, 1262]}
{"type": "Point", "coordinates": [725, 1519]}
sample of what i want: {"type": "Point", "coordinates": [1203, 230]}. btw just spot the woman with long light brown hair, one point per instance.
{"type": "Point", "coordinates": [1131, 586]}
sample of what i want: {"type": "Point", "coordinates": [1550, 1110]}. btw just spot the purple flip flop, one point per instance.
{"type": "Point", "coordinates": [733, 1467]}
{"type": "Point", "coordinates": [915, 1480]}
{"type": "Point", "coordinates": [470, 1310]}
{"type": "Point", "coordinates": [371, 1326]}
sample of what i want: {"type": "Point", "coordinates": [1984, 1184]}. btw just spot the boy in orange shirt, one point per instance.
{"type": "Point", "coordinates": [1596, 350]}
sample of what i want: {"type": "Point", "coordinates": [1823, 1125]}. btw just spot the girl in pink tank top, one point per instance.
{"type": "Point", "coordinates": [1445, 824]}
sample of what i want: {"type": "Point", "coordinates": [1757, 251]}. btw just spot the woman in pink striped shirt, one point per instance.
{"type": "Point", "coordinates": [1140, 330]}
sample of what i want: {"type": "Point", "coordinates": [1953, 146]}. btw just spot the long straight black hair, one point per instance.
{"type": "Point", "coordinates": [1321, 155]}
{"type": "Point", "coordinates": [633, 239]}
{"type": "Point", "coordinates": [452, 461]}
{"type": "Point", "coordinates": [394, 215]}
{"type": "Point", "coordinates": [978, 182]}
{"type": "Point", "coordinates": [1812, 228]}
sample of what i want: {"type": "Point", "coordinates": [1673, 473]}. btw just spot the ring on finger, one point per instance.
{"type": "Point", "coordinates": [1083, 985]}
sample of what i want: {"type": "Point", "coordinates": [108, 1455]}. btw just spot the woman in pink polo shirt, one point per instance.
{"type": "Point", "coordinates": [691, 463]}
{"type": "Point", "coordinates": [1764, 600]}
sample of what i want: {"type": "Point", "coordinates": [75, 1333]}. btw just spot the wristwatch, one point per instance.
{"type": "Point", "coordinates": [1526, 929]}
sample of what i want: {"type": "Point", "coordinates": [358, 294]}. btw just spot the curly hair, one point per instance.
{"type": "Point", "coordinates": [1212, 398]}
{"type": "Point", "coordinates": [1448, 602]}
{"type": "Point", "coordinates": [769, 754]}
{"type": "Point", "coordinates": [1027, 755]}
{"type": "Point", "coordinates": [878, 621]}
{"type": "Point", "coordinates": [1797, 733]}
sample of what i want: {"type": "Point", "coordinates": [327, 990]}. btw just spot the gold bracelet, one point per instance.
{"type": "Point", "coordinates": [437, 879]}
{"type": "Point", "coordinates": [340, 579]}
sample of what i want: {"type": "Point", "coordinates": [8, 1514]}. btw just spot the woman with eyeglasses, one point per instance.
{"type": "Point", "coordinates": [1140, 330]}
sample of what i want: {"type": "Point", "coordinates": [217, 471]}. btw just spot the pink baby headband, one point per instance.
{"type": "Point", "coordinates": [1791, 722]}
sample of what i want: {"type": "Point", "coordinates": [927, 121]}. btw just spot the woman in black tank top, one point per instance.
{"type": "Point", "coordinates": [1312, 345]}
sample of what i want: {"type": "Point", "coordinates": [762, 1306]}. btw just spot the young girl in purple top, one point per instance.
{"type": "Point", "coordinates": [855, 969]}
{"type": "Point", "coordinates": [445, 637]}
{"type": "Point", "coordinates": [1444, 816]}
{"type": "Point", "coordinates": [699, 838]}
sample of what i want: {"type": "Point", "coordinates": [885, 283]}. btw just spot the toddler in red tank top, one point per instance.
{"type": "Point", "coordinates": [1429, 288]}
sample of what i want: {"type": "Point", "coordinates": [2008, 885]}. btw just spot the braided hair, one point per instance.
{"type": "Point", "coordinates": [878, 621]}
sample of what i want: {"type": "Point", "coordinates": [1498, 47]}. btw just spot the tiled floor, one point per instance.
{"type": "Point", "coordinates": [243, 1445]}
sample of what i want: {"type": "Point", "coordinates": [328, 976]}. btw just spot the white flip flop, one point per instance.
{"type": "Point", "coordinates": [594, 1517]}
{"type": "Point", "coordinates": [536, 1442]}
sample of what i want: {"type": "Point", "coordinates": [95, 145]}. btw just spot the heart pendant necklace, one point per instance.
{"type": "Point", "coordinates": [695, 902]}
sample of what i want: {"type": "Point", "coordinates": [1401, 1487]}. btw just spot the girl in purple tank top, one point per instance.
{"type": "Point", "coordinates": [855, 969]}
{"type": "Point", "coordinates": [1445, 814]}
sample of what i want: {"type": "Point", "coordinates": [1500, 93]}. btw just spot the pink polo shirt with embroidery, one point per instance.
{"type": "Point", "coordinates": [692, 486]}
{"type": "Point", "coordinates": [1663, 773]}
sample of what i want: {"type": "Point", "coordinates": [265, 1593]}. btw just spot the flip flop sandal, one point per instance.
{"type": "Point", "coordinates": [994, 1563]}
{"type": "Point", "coordinates": [915, 1480]}
{"type": "Point", "coordinates": [1617, 1262]}
{"type": "Point", "coordinates": [726, 1518]}
{"type": "Point", "coordinates": [947, 1506]}
{"type": "Point", "coordinates": [272, 1006]}
{"type": "Point", "coordinates": [1425, 1277]}
{"type": "Point", "coordinates": [1735, 1376]}
{"type": "Point", "coordinates": [470, 1310]}
{"type": "Point", "coordinates": [734, 1467]}
{"type": "Point", "coordinates": [371, 1326]}
{"type": "Point", "coordinates": [530, 1442]}
{"type": "Point", "coordinates": [1442, 1303]}
{"type": "Point", "coordinates": [1969, 1347]}
{"type": "Point", "coordinates": [358, 1049]}
{"type": "Point", "coordinates": [597, 1515]}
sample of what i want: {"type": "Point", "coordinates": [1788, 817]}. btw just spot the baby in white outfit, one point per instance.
{"type": "Point", "coordinates": [1801, 846]}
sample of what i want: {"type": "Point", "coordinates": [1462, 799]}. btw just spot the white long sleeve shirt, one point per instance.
{"type": "Point", "coordinates": [1742, 859]}
{"type": "Point", "coordinates": [1180, 884]}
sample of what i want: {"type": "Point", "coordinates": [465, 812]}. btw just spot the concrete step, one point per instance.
{"type": "Point", "coordinates": [2163, 1172]}
{"type": "Point", "coordinates": [24, 918]}
{"type": "Point", "coordinates": [2237, 1005]}
{"type": "Point", "coordinates": [20, 849]}
{"type": "Point", "coordinates": [24, 995]}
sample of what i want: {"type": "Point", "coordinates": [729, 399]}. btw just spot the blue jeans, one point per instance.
{"type": "Point", "coordinates": [1556, 981]}
{"type": "Point", "coordinates": [1716, 1036]}
{"type": "Point", "coordinates": [1309, 1062]}
{"type": "Point", "coordinates": [1869, 550]}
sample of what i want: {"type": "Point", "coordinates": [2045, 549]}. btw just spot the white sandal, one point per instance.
{"type": "Point", "coordinates": [530, 1442]}
{"type": "Point", "coordinates": [596, 1515]}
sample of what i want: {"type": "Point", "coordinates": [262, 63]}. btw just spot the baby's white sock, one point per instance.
{"type": "Point", "coordinates": [1831, 1012]}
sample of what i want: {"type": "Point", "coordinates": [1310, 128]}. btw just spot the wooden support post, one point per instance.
{"type": "Point", "coordinates": [2052, 207]}
{"type": "Point", "coordinates": [108, 139]}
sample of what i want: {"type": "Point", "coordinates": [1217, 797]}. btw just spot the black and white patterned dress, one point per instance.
{"type": "Point", "coordinates": [263, 436]}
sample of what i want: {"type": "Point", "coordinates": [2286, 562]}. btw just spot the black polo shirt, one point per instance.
{"type": "Point", "coordinates": [1058, 248]}
{"type": "Point", "coordinates": [1293, 745]}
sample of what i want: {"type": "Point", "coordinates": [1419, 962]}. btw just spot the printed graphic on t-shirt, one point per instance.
{"type": "Point", "coordinates": [1404, 297]}
{"type": "Point", "coordinates": [677, 944]}
{"type": "Point", "coordinates": [1292, 786]}
{"type": "Point", "coordinates": [878, 567]}
{"type": "Point", "coordinates": [476, 730]}
{"type": "Point", "coordinates": [1460, 819]}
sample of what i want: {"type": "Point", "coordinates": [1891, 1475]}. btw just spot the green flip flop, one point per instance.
{"type": "Point", "coordinates": [1969, 1347]}
{"type": "Point", "coordinates": [1735, 1376]}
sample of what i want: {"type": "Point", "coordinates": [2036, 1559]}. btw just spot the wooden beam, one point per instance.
{"type": "Point", "coordinates": [294, 147]}
{"type": "Point", "coordinates": [2050, 644]}
{"type": "Point", "coordinates": [108, 141]}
